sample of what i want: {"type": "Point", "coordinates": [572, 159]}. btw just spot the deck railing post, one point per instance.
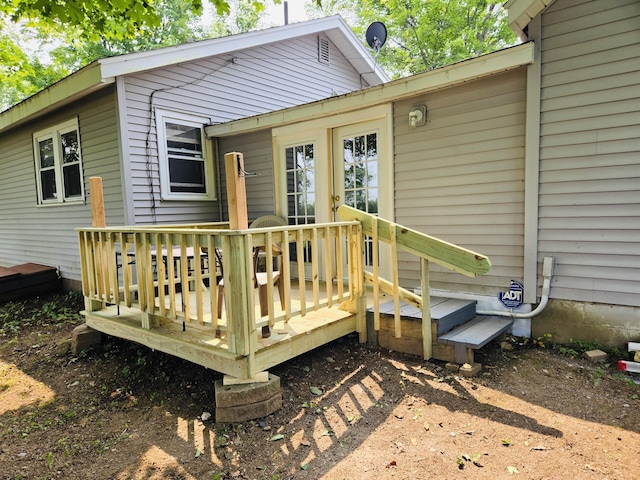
{"type": "Point", "coordinates": [238, 293]}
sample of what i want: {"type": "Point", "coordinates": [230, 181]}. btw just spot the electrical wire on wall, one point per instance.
{"type": "Point", "coordinates": [149, 164]}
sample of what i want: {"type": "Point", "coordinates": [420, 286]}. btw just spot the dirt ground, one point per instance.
{"type": "Point", "coordinates": [349, 411]}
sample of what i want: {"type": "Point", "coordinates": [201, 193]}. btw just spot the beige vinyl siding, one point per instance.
{"type": "Point", "coordinates": [45, 234]}
{"type": "Point", "coordinates": [590, 150]}
{"type": "Point", "coordinates": [233, 86]}
{"type": "Point", "coordinates": [258, 158]}
{"type": "Point", "coordinates": [460, 178]}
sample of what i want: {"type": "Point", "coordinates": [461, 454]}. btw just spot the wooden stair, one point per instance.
{"type": "Point", "coordinates": [456, 329]}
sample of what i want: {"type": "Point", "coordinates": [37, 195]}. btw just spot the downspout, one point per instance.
{"type": "Point", "coordinates": [547, 273]}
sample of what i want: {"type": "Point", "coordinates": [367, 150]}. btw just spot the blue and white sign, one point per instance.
{"type": "Point", "coordinates": [514, 297]}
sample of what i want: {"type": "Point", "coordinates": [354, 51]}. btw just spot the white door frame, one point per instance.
{"type": "Point", "coordinates": [320, 133]}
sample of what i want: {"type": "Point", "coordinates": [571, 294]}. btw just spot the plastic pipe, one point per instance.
{"type": "Point", "coordinates": [547, 272]}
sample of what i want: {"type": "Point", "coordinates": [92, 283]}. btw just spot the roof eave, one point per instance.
{"type": "Point", "coordinates": [66, 91]}
{"type": "Point", "coordinates": [521, 12]}
{"type": "Point", "coordinates": [456, 74]}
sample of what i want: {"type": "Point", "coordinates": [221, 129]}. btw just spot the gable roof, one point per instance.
{"type": "Point", "coordinates": [103, 72]}
{"type": "Point", "coordinates": [521, 12]}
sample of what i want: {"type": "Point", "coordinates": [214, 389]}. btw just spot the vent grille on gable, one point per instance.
{"type": "Point", "coordinates": [323, 50]}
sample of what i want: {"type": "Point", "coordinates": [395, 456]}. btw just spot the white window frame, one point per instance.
{"type": "Point", "coordinates": [164, 116]}
{"type": "Point", "coordinates": [54, 133]}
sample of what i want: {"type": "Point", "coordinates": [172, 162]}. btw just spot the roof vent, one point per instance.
{"type": "Point", "coordinates": [323, 50]}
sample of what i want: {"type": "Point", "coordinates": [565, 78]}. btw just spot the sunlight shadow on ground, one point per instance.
{"type": "Point", "coordinates": [18, 390]}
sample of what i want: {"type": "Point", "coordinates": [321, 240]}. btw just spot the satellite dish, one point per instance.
{"type": "Point", "coordinates": [376, 35]}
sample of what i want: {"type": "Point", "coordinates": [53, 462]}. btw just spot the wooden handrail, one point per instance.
{"type": "Point", "coordinates": [443, 253]}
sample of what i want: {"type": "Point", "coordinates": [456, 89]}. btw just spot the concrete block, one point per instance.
{"type": "Point", "coordinates": [248, 401]}
{"type": "Point", "coordinates": [595, 355]}
{"type": "Point", "coordinates": [84, 337]}
{"type": "Point", "coordinates": [468, 370]}
{"type": "Point", "coordinates": [452, 367]}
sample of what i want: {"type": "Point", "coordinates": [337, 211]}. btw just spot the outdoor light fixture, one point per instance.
{"type": "Point", "coordinates": [417, 116]}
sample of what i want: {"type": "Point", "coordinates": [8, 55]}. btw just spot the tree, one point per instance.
{"type": "Point", "coordinates": [28, 63]}
{"type": "Point", "coordinates": [427, 34]}
{"type": "Point", "coordinates": [97, 19]}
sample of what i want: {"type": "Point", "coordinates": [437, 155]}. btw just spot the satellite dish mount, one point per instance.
{"type": "Point", "coordinates": [376, 36]}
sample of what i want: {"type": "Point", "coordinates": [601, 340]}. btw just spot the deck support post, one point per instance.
{"type": "Point", "coordinates": [427, 346]}
{"type": "Point", "coordinates": [97, 221]}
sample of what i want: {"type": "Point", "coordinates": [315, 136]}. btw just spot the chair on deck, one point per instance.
{"type": "Point", "coordinates": [262, 277]}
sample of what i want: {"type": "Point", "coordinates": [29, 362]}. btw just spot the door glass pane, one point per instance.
{"type": "Point", "coordinates": [360, 156]}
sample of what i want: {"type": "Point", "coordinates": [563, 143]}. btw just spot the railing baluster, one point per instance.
{"type": "Point", "coordinates": [161, 273]}
{"type": "Point", "coordinates": [213, 283]}
{"type": "Point", "coordinates": [269, 264]}
{"type": "Point", "coordinates": [427, 346]}
{"type": "Point", "coordinates": [314, 267]}
{"type": "Point", "coordinates": [328, 261]}
{"type": "Point", "coordinates": [171, 278]}
{"type": "Point", "coordinates": [376, 274]}
{"type": "Point", "coordinates": [301, 280]}
{"type": "Point", "coordinates": [199, 285]}
{"type": "Point", "coordinates": [340, 234]}
{"type": "Point", "coordinates": [394, 273]}
{"type": "Point", "coordinates": [285, 273]}
{"type": "Point", "coordinates": [184, 280]}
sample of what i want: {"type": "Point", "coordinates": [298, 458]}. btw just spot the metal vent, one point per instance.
{"type": "Point", "coordinates": [323, 50]}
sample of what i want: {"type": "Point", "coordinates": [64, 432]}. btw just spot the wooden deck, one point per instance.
{"type": "Point", "coordinates": [199, 343]}
{"type": "Point", "coordinates": [141, 295]}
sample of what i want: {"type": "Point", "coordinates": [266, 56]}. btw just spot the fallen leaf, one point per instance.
{"type": "Point", "coordinates": [198, 453]}
{"type": "Point", "coordinates": [391, 464]}
{"type": "Point", "coordinates": [512, 470]}
{"type": "Point", "coordinates": [305, 442]}
{"type": "Point", "coordinates": [414, 441]}
{"type": "Point", "coordinates": [506, 442]}
{"type": "Point", "coordinates": [427, 426]}
{"type": "Point", "coordinates": [327, 433]}
{"type": "Point", "coordinates": [304, 466]}
{"type": "Point", "coordinates": [315, 391]}
{"type": "Point", "coordinates": [277, 437]}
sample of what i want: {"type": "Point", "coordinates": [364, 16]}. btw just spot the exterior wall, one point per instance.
{"type": "Point", "coordinates": [45, 234]}
{"type": "Point", "coordinates": [590, 150]}
{"type": "Point", "coordinates": [238, 85]}
{"type": "Point", "coordinates": [460, 178]}
{"type": "Point", "coordinates": [257, 152]}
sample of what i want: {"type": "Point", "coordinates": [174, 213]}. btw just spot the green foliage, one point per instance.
{"type": "Point", "coordinates": [426, 35]}
{"type": "Point", "coordinates": [50, 310]}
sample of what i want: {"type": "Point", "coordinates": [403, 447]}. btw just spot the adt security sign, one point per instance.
{"type": "Point", "coordinates": [513, 298]}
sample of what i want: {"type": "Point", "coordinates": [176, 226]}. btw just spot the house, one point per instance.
{"type": "Point", "coordinates": [137, 122]}
{"type": "Point", "coordinates": [525, 153]}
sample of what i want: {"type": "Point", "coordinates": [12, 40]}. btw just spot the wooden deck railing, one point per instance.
{"type": "Point", "coordinates": [427, 248]}
{"type": "Point", "coordinates": [170, 274]}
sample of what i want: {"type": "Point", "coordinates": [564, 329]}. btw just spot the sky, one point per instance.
{"type": "Point", "coordinates": [276, 12]}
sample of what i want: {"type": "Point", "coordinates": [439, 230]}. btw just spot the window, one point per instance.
{"type": "Point", "coordinates": [59, 164]}
{"type": "Point", "coordinates": [185, 161]}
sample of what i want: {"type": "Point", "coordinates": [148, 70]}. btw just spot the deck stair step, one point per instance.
{"type": "Point", "coordinates": [473, 335]}
{"type": "Point", "coordinates": [446, 313]}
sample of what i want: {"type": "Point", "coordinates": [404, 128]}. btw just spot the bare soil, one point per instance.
{"type": "Point", "coordinates": [122, 411]}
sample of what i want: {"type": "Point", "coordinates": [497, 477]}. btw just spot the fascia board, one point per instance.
{"type": "Point", "coordinates": [456, 74]}
{"type": "Point", "coordinates": [521, 12]}
{"type": "Point", "coordinates": [63, 92]}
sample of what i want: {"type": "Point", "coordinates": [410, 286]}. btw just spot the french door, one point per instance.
{"type": "Point", "coordinates": [360, 176]}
